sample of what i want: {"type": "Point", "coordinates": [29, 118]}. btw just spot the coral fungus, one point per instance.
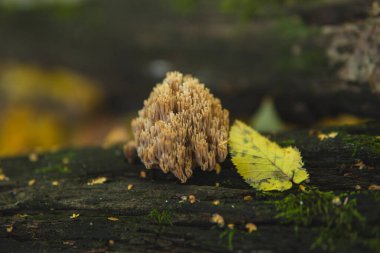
{"type": "Point", "coordinates": [182, 126]}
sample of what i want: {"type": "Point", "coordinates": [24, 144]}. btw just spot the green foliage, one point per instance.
{"type": "Point", "coordinates": [53, 168]}
{"type": "Point", "coordinates": [162, 218]}
{"type": "Point", "coordinates": [336, 215]}
{"type": "Point", "coordinates": [228, 234]}
{"type": "Point", "coordinates": [57, 163]}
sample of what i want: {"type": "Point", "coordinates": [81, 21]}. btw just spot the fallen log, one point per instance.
{"type": "Point", "coordinates": [52, 203]}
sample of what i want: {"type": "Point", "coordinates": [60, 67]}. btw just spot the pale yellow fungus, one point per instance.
{"type": "Point", "coordinates": [182, 126]}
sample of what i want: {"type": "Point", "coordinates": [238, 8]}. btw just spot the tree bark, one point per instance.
{"type": "Point", "coordinates": [36, 217]}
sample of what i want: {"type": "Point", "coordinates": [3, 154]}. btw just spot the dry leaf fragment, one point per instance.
{"type": "Point", "coordinates": [218, 219]}
{"type": "Point", "coordinates": [360, 164]}
{"type": "Point", "coordinates": [55, 183]}
{"type": "Point", "coordinates": [65, 160]}
{"type": "Point", "coordinates": [9, 229]}
{"type": "Point", "coordinates": [143, 174]}
{"type": "Point", "coordinates": [336, 201]}
{"type": "Point", "coordinates": [113, 218]}
{"type": "Point", "coordinates": [218, 168]}
{"type": "Point", "coordinates": [74, 215]}
{"type": "Point", "coordinates": [3, 177]}
{"type": "Point", "coordinates": [31, 182]}
{"type": "Point", "coordinates": [374, 187]}
{"type": "Point", "coordinates": [302, 188]}
{"type": "Point", "coordinates": [251, 227]}
{"type": "Point", "coordinates": [216, 202]}
{"type": "Point", "coordinates": [183, 199]}
{"type": "Point", "coordinates": [192, 199]}
{"type": "Point", "coordinates": [327, 136]}
{"type": "Point", "coordinates": [130, 187]}
{"type": "Point", "coordinates": [33, 157]}
{"type": "Point", "coordinates": [248, 198]}
{"type": "Point", "coordinates": [99, 180]}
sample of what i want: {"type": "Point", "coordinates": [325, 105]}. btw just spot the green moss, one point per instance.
{"type": "Point", "coordinates": [53, 168]}
{"type": "Point", "coordinates": [228, 235]}
{"type": "Point", "coordinates": [336, 216]}
{"type": "Point", "coordinates": [361, 142]}
{"type": "Point", "coordinates": [161, 217]}
{"type": "Point", "coordinates": [57, 163]}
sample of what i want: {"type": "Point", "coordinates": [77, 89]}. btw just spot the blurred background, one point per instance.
{"type": "Point", "coordinates": [75, 72]}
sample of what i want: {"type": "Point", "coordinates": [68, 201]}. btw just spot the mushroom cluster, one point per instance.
{"type": "Point", "coordinates": [181, 126]}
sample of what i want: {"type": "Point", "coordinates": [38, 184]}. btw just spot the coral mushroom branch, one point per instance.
{"type": "Point", "coordinates": [181, 126]}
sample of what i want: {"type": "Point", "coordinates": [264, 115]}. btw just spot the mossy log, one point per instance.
{"type": "Point", "coordinates": [39, 197]}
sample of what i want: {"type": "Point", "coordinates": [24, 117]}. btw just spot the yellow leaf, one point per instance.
{"type": "Point", "coordinates": [99, 180]}
{"type": "Point", "coordinates": [264, 164]}
{"type": "Point", "coordinates": [113, 218]}
{"type": "Point", "coordinates": [74, 215]}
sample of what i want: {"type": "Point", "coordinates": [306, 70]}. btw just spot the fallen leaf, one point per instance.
{"type": "Point", "coordinates": [251, 227]}
{"type": "Point", "coordinates": [216, 202]}
{"type": "Point", "coordinates": [264, 164]}
{"type": "Point", "coordinates": [143, 174]}
{"type": "Point", "coordinates": [31, 182]}
{"type": "Point", "coordinates": [74, 215]}
{"type": "Point", "coordinates": [183, 199]}
{"type": "Point", "coordinates": [327, 136]}
{"type": "Point", "coordinates": [55, 183]}
{"type": "Point", "coordinates": [218, 219]}
{"type": "Point", "coordinates": [247, 198]}
{"type": "Point", "coordinates": [113, 218]}
{"type": "Point", "coordinates": [130, 187]}
{"type": "Point", "coordinates": [99, 180]}
{"type": "Point", "coordinates": [360, 164]}
{"type": "Point", "coordinates": [192, 199]}
{"type": "Point", "coordinates": [33, 157]}
{"type": "Point", "coordinates": [374, 187]}
{"type": "Point", "coordinates": [9, 229]}
{"type": "Point", "coordinates": [218, 168]}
